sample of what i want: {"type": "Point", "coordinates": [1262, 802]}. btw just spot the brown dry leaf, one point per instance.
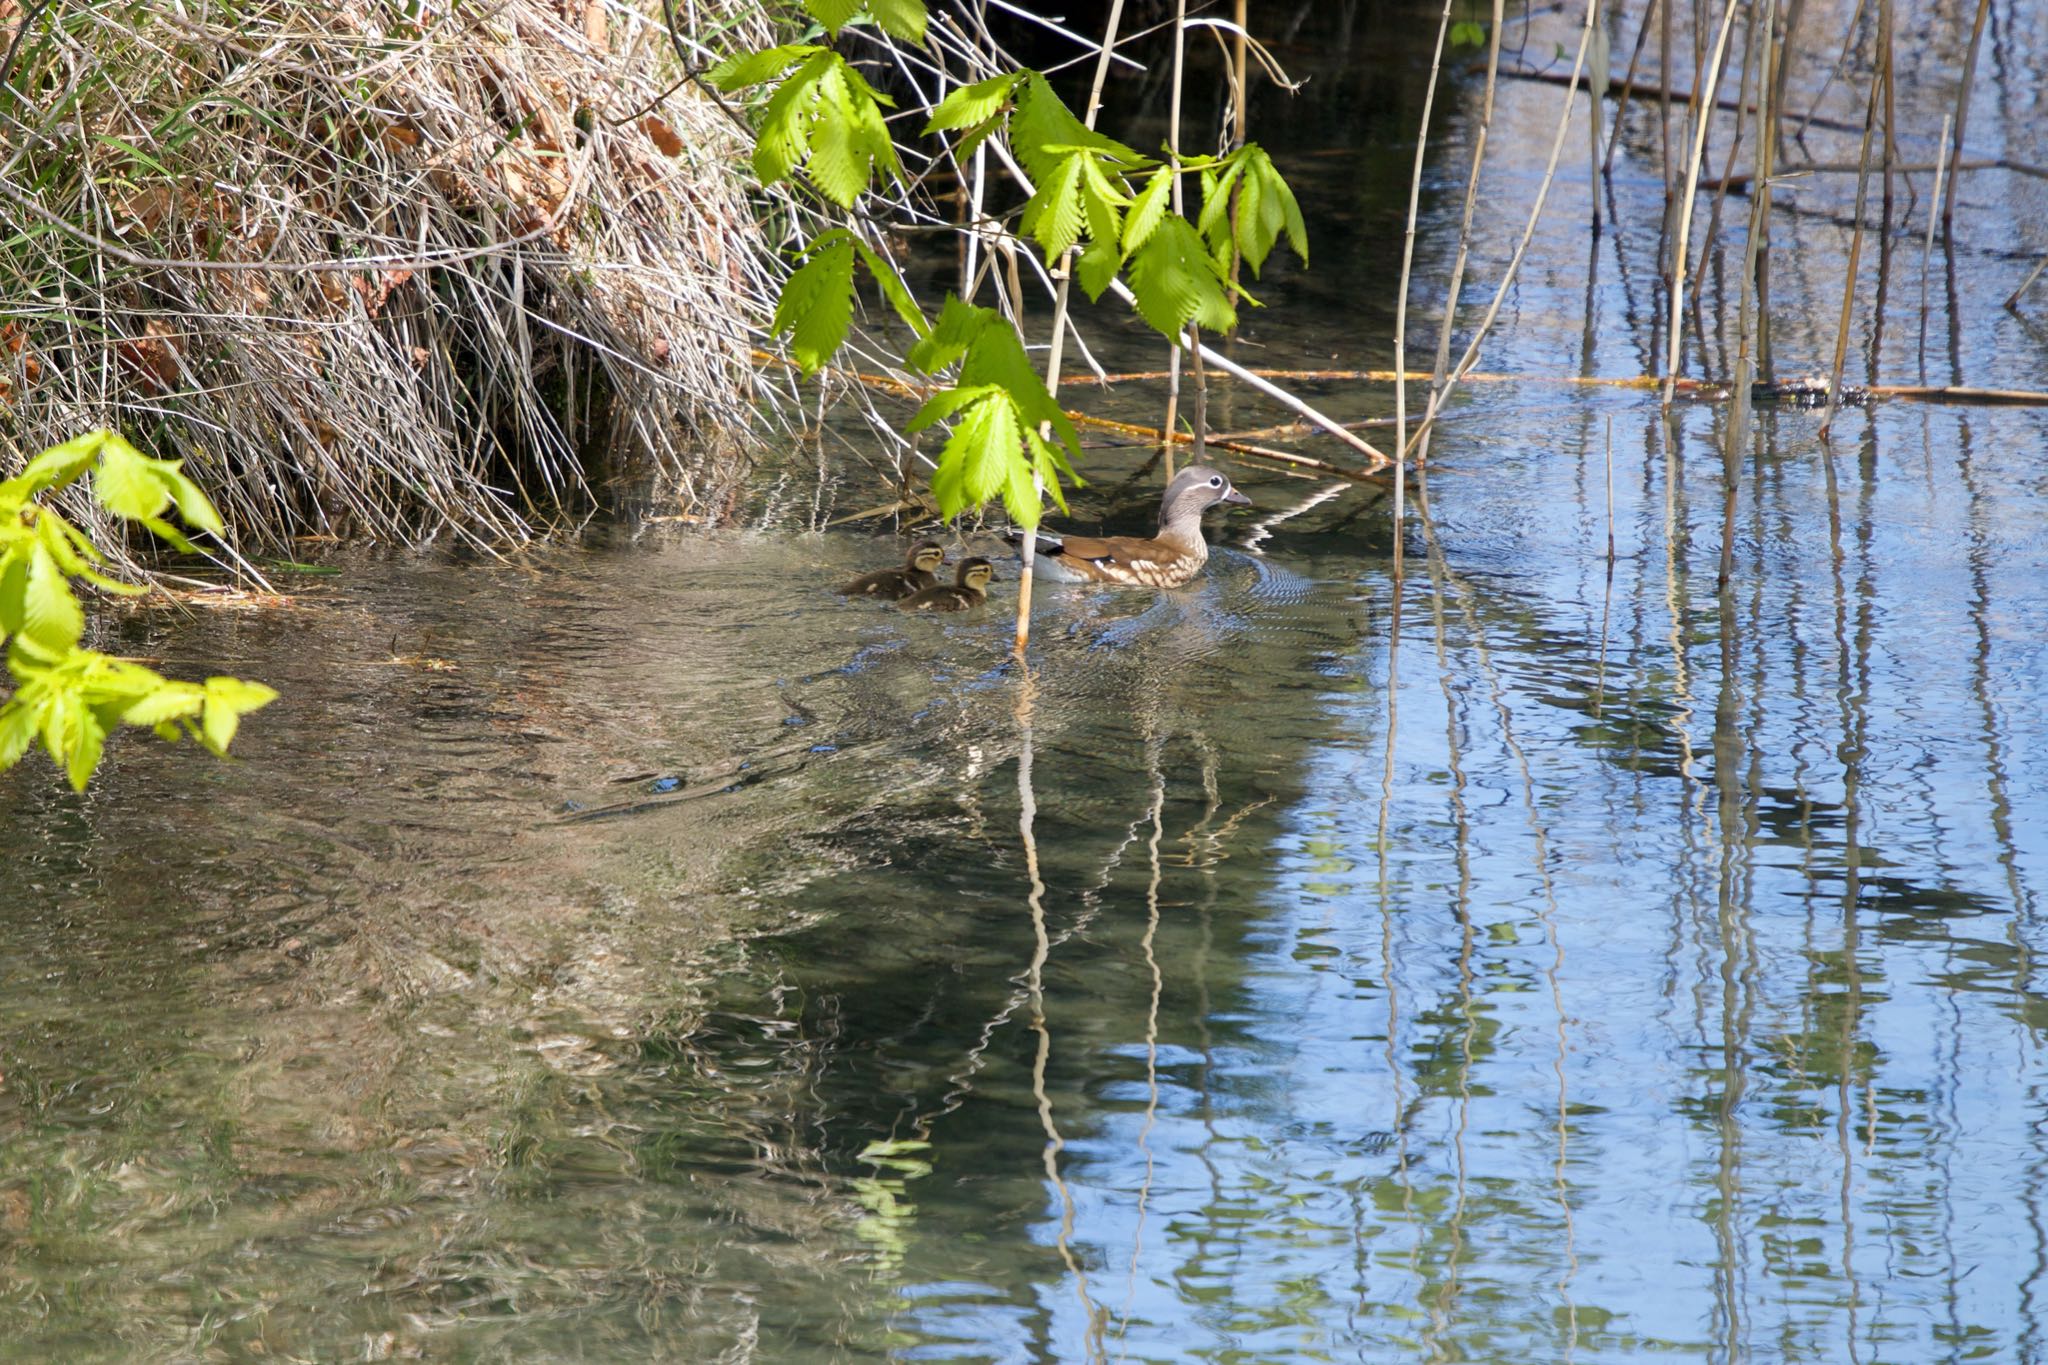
{"type": "Point", "coordinates": [663, 135]}
{"type": "Point", "coordinates": [596, 30]}
{"type": "Point", "coordinates": [146, 207]}
{"type": "Point", "coordinates": [333, 287]}
{"type": "Point", "coordinates": [398, 135]}
{"type": "Point", "coordinates": [387, 281]}
{"type": "Point", "coordinates": [152, 357]}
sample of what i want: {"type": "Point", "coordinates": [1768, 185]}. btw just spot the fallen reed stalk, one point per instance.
{"type": "Point", "coordinates": [1674, 95]}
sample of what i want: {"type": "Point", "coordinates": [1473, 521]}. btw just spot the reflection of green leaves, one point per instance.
{"type": "Point", "coordinates": [890, 1216]}
{"type": "Point", "coordinates": [68, 697]}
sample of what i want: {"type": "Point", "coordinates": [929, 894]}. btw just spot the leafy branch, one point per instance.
{"type": "Point", "coordinates": [67, 696]}
{"type": "Point", "coordinates": [1090, 194]}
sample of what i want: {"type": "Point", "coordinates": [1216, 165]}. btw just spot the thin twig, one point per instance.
{"type": "Point", "coordinates": [1855, 256]}
{"type": "Point", "coordinates": [1443, 27]}
{"type": "Point", "coordinates": [1699, 148]}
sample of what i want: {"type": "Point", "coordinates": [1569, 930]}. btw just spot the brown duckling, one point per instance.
{"type": "Point", "coordinates": [968, 591]}
{"type": "Point", "coordinates": [889, 585]}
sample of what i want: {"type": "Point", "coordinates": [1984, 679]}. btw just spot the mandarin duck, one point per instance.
{"type": "Point", "coordinates": [1165, 560]}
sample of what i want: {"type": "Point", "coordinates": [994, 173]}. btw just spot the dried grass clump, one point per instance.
{"type": "Point", "coordinates": [375, 270]}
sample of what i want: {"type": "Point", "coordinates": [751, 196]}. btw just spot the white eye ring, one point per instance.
{"type": "Point", "coordinates": [1215, 481]}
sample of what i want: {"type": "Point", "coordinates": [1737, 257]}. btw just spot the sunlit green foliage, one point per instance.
{"type": "Point", "coordinates": [69, 697]}
{"type": "Point", "coordinates": [899, 18]}
{"type": "Point", "coordinates": [823, 117]}
{"type": "Point", "coordinates": [816, 306]}
{"type": "Point", "coordinates": [1090, 195]}
{"type": "Point", "coordinates": [1003, 409]}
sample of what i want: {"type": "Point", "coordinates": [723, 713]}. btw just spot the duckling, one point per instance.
{"type": "Point", "coordinates": [968, 591]}
{"type": "Point", "coordinates": [889, 585]}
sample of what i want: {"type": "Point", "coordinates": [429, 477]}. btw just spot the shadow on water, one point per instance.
{"type": "Point", "coordinates": [636, 952]}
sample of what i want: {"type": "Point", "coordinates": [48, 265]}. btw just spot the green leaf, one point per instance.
{"type": "Point", "coordinates": [833, 14]}
{"type": "Point", "coordinates": [1266, 208]}
{"type": "Point", "coordinates": [1097, 265]}
{"type": "Point", "coordinates": [193, 505]}
{"type": "Point", "coordinates": [168, 532]}
{"type": "Point", "coordinates": [903, 19]}
{"type": "Point", "coordinates": [13, 587]}
{"type": "Point", "coordinates": [50, 615]}
{"type": "Point", "coordinates": [893, 289]}
{"type": "Point", "coordinates": [1176, 282]}
{"type": "Point", "coordinates": [1468, 34]}
{"type": "Point", "coordinates": [227, 701]}
{"type": "Point", "coordinates": [974, 104]}
{"type": "Point", "coordinates": [946, 402]}
{"type": "Point", "coordinates": [1053, 215]}
{"type": "Point", "coordinates": [984, 446]}
{"type": "Point", "coordinates": [751, 68]}
{"type": "Point", "coordinates": [1147, 209]}
{"type": "Point", "coordinates": [84, 739]}
{"type": "Point", "coordinates": [126, 485]}
{"type": "Point", "coordinates": [17, 731]}
{"type": "Point", "coordinates": [838, 163]}
{"type": "Point", "coordinates": [816, 307]}
{"type": "Point", "coordinates": [171, 701]}
{"type": "Point", "coordinates": [958, 326]}
{"type": "Point", "coordinates": [60, 464]}
{"type": "Point", "coordinates": [1043, 131]}
{"type": "Point", "coordinates": [870, 137]}
{"type": "Point", "coordinates": [785, 137]}
{"type": "Point", "coordinates": [1214, 221]}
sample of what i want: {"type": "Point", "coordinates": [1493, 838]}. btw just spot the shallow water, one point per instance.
{"type": "Point", "coordinates": [635, 952]}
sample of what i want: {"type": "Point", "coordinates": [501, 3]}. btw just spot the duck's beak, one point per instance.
{"type": "Point", "coordinates": [1234, 496]}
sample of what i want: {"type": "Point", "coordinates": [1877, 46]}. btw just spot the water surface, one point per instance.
{"type": "Point", "coordinates": [634, 952]}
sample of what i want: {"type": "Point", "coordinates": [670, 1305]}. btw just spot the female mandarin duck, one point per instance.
{"type": "Point", "coordinates": [1166, 560]}
{"type": "Point", "coordinates": [968, 591]}
{"type": "Point", "coordinates": [888, 585]}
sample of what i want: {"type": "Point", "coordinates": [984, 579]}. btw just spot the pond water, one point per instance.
{"type": "Point", "coordinates": [633, 951]}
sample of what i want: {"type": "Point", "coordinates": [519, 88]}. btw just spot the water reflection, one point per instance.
{"type": "Point", "coordinates": [639, 953]}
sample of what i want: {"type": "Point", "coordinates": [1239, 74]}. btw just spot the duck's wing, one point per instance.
{"type": "Point", "coordinates": [1116, 559]}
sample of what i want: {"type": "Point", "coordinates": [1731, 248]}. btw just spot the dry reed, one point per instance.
{"type": "Point", "coordinates": [375, 272]}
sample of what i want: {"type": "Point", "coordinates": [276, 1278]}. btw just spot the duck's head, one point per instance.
{"type": "Point", "coordinates": [927, 555]}
{"type": "Point", "coordinates": [975, 573]}
{"type": "Point", "coordinates": [1193, 492]}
